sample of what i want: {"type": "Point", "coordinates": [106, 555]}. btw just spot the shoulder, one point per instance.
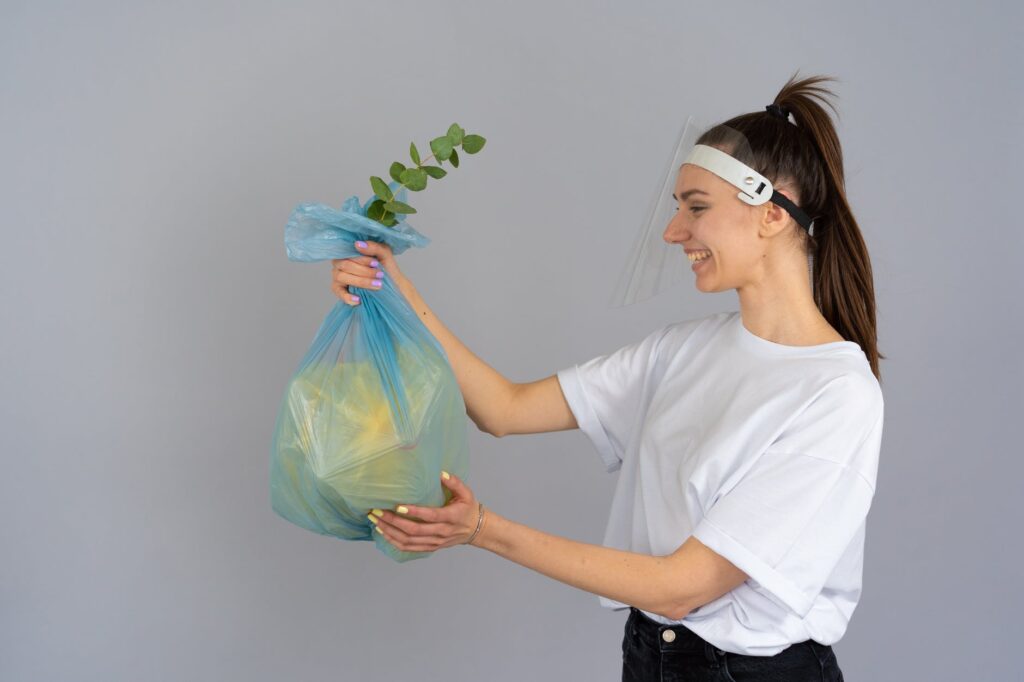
{"type": "Point", "coordinates": [703, 326]}
{"type": "Point", "coordinates": [840, 422]}
{"type": "Point", "coordinates": [673, 337]}
{"type": "Point", "coordinates": [848, 406]}
{"type": "Point", "coordinates": [858, 387]}
{"type": "Point", "coordinates": [695, 335]}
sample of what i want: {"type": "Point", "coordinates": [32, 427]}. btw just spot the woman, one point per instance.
{"type": "Point", "coordinates": [747, 442]}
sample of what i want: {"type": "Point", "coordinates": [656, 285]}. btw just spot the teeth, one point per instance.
{"type": "Point", "coordinates": [700, 255]}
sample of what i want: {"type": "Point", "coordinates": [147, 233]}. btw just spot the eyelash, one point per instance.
{"type": "Point", "coordinates": [694, 209]}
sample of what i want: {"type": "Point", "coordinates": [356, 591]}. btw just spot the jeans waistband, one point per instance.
{"type": "Point", "coordinates": [678, 638]}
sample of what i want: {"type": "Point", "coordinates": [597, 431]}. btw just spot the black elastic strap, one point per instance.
{"type": "Point", "coordinates": [792, 209]}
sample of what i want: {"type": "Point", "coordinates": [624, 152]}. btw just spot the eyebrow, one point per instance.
{"type": "Point", "coordinates": [686, 195]}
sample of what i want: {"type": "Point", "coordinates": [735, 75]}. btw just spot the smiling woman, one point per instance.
{"type": "Point", "coordinates": [746, 442]}
{"type": "Point", "coordinates": [780, 484]}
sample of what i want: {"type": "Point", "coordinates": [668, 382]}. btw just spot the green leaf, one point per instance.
{"type": "Point", "coordinates": [399, 207]}
{"type": "Point", "coordinates": [389, 220]}
{"type": "Point", "coordinates": [442, 147]}
{"type": "Point", "coordinates": [381, 189]}
{"type": "Point", "coordinates": [414, 153]}
{"type": "Point", "coordinates": [414, 179]}
{"type": "Point", "coordinates": [473, 143]}
{"type": "Point", "coordinates": [454, 158]}
{"type": "Point", "coordinates": [435, 172]}
{"type": "Point", "coordinates": [375, 211]}
{"type": "Point", "coordinates": [455, 133]}
{"type": "Point", "coordinates": [396, 171]}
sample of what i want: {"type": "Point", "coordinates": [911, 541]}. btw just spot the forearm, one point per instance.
{"type": "Point", "coordinates": [486, 391]}
{"type": "Point", "coordinates": [650, 583]}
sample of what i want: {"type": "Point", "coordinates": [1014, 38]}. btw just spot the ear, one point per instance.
{"type": "Point", "coordinates": [774, 218]}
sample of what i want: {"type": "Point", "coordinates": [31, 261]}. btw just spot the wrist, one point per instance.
{"type": "Point", "coordinates": [486, 539]}
{"type": "Point", "coordinates": [480, 520]}
{"type": "Point", "coordinates": [406, 288]}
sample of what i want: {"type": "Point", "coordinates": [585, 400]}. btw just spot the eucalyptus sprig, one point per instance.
{"type": "Point", "coordinates": [385, 206]}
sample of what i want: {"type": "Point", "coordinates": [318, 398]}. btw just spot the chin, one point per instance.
{"type": "Point", "coordinates": [703, 289]}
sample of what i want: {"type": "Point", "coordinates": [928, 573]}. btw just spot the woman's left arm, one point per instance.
{"type": "Point", "coordinates": [671, 585]}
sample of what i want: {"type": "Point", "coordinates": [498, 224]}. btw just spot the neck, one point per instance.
{"type": "Point", "coordinates": [779, 307]}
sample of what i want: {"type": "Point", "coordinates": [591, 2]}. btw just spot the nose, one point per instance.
{"type": "Point", "coordinates": [676, 231]}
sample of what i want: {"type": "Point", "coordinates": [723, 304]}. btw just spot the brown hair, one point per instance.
{"type": "Point", "coordinates": [808, 157]}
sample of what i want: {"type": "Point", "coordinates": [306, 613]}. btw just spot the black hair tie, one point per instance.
{"type": "Point", "coordinates": [779, 111]}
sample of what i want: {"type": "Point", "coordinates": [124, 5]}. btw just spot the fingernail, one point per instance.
{"type": "Point", "coordinates": [379, 530]}
{"type": "Point", "coordinates": [380, 274]}
{"type": "Point", "coordinates": [378, 512]}
{"type": "Point", "coordinates": [356, 298]}
{"type": "Point", "coordinates": [374, 263]}
{"type": "Point", "coordinates": [445, 475]}
{"type": "Point", "coordinates": [402, 509]}
{"type": "Point", "coordinates": [373, 519]}
{"type": "Point", "coordinates": [376, 282]}
{"type": "Point", "coordinates": [361, 245]}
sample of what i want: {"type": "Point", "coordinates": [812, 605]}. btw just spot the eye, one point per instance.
{"type": "Point", "coordinates": [694, 209]}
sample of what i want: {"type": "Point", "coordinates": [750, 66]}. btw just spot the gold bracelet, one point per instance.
{"type": "Point", "coordinates": [479, 524]}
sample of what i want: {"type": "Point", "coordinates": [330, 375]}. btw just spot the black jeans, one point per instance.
{"type": "Point", "coordinates": [652, 652]}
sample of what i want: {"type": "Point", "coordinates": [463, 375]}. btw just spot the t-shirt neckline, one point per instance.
{"type": "Point", "coordinates": [757, 343]}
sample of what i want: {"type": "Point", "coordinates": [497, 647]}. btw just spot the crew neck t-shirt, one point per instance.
{"type": "Point", "coordinates": [766, 453]}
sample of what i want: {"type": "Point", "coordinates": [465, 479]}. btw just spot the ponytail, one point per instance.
{"type": "Point", "coordinates": [808, 156]}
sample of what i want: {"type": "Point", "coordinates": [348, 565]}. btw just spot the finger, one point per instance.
{"type": "Point", "coordinates": [339, 285]}
{"type": "Point", "coordinates": [364, 260]}
{"type": "Point", "coordinates": [409, 547]}
{"type": "Point", "coordinates": [370, 281]}
{"type": "Point", "coordinates": [448, 514]}
{"type": "Point", "coordinates": [345, 295]}
{"type": "Point", "coordinates": [416, 528]}
{"type": "Point", "coordinates": [381, 251]}
{"type": "Point", "coordinates": [351, 266]}
{"type": "Point", "coordinates": [404, 541]}
{"type": "Point", "coordinates": [430, 514]}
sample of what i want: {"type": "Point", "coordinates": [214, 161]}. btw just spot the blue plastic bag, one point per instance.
{"type": "Point", "coordinates": [374, 412]}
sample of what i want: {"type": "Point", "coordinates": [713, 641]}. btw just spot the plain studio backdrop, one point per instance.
{"type": "Point", "coordinates": [151, 155]}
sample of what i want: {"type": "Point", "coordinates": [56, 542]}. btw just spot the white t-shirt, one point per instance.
{"type": "Point", "coordinates": [764, 452]}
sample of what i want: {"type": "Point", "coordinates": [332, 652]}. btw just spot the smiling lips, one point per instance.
{"type": "Point", "coordinates": [696, 256]}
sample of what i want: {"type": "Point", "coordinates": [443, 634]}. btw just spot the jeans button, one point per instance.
{"type": "Point", "coordinates": [669, 635]}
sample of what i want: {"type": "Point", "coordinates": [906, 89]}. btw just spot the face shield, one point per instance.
{"type": "Point", "coordinates": [654, 265]}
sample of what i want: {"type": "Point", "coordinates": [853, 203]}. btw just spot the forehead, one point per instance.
{"type": "Point", "coordinates": [692, 177]}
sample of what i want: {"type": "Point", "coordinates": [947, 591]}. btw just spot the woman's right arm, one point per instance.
{"type": "Point", "coordinates": [496, 405]}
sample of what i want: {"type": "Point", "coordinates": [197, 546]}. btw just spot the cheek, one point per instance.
{"type": "Point", "coordinates": [734, 239]}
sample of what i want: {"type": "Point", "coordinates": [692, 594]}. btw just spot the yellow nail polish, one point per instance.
{"type": "Point", "coordinates": [402, 509]}
{"type": "Point", "coordinates": [378, 512]}
{"type": "Point", "coordinates": [445, 475]}
{"type": "Point", "coordinates": [379, 530]}
{"type": "Point", "coordinates": [373, 519]}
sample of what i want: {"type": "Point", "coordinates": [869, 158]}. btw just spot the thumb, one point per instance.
{"type": "Point", "coordinates": [454, 483]}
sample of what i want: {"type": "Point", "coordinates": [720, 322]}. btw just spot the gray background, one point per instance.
{"type": "Point", "coordinates": [151, 155]}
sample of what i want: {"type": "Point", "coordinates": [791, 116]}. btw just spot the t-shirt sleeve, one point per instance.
{"type": "Point", "coordinates": [792, 515]}
{"type": "Point", "coordinates": [605, 394]}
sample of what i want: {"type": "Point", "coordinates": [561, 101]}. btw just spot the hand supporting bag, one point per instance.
{"type": "Point", "coordinates": [374, 412]}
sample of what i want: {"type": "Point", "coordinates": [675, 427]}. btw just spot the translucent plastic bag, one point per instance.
{"type": "Point", "coordinates": [374, 412]}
